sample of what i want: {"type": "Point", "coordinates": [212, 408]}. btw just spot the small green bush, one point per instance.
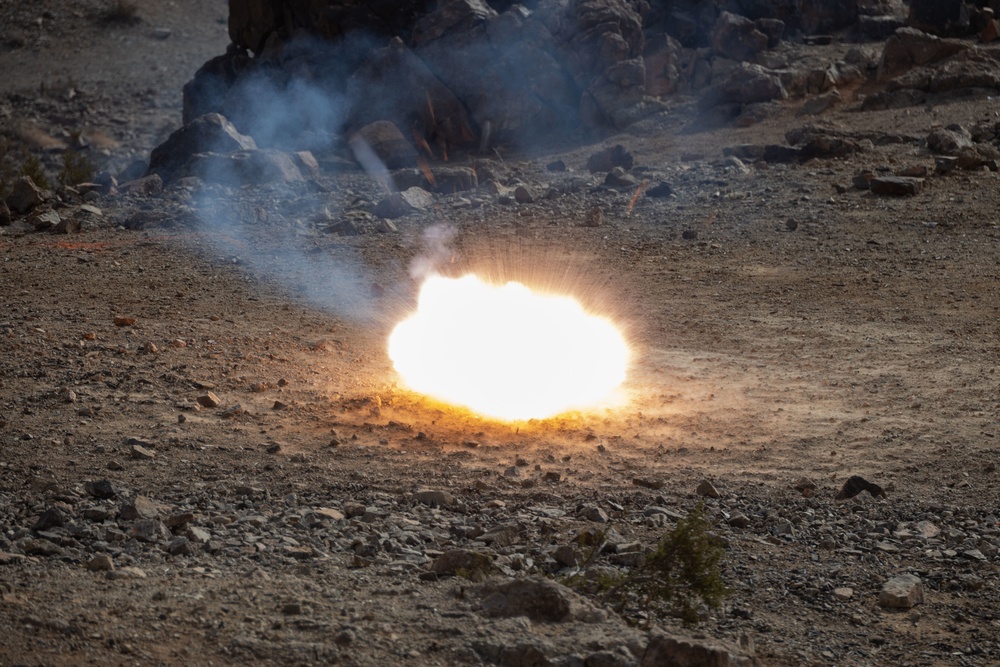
{"type": "Point", "coordinates": [679, 577]}
{"type": "Point", "coordinates": [76, 169]}
{"type": "Point", "coordinates": [32, 167]}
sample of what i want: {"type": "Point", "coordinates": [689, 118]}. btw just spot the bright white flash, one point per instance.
{"type": "Point", "coordinates": [505, 351]}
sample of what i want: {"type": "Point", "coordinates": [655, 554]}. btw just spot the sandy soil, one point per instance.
{"type": "Point", "coordinates": [801, 332]}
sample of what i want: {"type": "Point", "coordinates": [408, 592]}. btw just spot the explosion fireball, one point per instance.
{"type": "Point", "coordinates": [505, 351]}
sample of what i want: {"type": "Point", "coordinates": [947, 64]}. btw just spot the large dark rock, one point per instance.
{"type": "Point", "coordinates": [745, 84]}
{"type": "Point", "coordinates": [395, 85]}
{"type": "Point", "coordinates": [210, 133]}
{"type": "Point", "coordinates": [505, 70]}
{"type": "Point", "coordinates": [206, 92]}
{"type": "Point", "coordinates": [25, 195]}
{"type": "Point", "coordinates": [941, 17]}
{"type": "Point", "coordinates": [910, 48]}
{"type": "Point", "coordinates": [253, 22]}
{"type": "Point", "coordinates": [248, 167]}
{"type": "Point", "coordinates": [737, 37]}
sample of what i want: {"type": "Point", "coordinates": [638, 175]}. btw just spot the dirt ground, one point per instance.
{"type": "Point", "coordinates": [794, 331]}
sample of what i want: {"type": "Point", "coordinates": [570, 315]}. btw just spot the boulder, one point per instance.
{"type": "Point", "coordinates": [664, 66]}
{"type": "Point", "coordinates": [901, 592]}
{"type": "Point", "coordinates": [896, 186]}
{"type": "Point", "coordinates": [210, 133]}
{"type": "Point", "coordinates": [685, 651]}
{"type": "Point", "coordinates": [910, 48]}
{"type": "Point", "coordinates": [949, 140]}
{"type": "Point", "coordinates": [539, 599]}
{"type": "Point", "coordinates": [251, 21]}
{"type": "Point", "coordinates": [745, 84]}
{"type": "Point", "coordinates": [395, 85]}
{"type": "Point", "coordinates": [941, 17]}
{"type": "Point", "coordinates": [387, 143]}
{"type": "Point", "coordinates": [773, 29]}
{"type": "Point", "coordinates": [25, 195]}
{"type": "Point", "coordinates": [878, 28]}
{"type": "Point", "coordinates": [247, 167]}
{"type": "Point", "coordinates": [206, 92]}
{"type": "Point", "coordinates": [824, 16]}
{"type": "Point", "coordinates": [737, 37]}
{"type": "Point", "coordinates": [507, 71]}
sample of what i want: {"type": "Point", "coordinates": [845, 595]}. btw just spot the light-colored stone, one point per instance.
{"type": "Point", "coordinates": [902, 592]}
{"type": "Point", "coordinates": [843, 594]}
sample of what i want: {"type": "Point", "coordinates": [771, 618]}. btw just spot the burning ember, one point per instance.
{"type": "Point", "coordinates": [505, 351]}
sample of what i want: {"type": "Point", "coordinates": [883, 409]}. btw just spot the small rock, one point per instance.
{"type": "Point", "coordinates": [901, 592]}
{"type": "Point", "coordinates": [45, 220]}
{"type": "Point", "coordinates": [593, 513]}
{"type": "Point", "coordinates": [472, 563]}
{"type": "Point", "coordinates": [197, 535]}
{"type": "Point", "coordinates": [523, 195]}
{"type": "Point", "coordinates": [139, 507]}
{"type": "Point", "coordinates": [609, 158]}
{"type": "Point", "coordinates": [41, 547]}
{"type": "Point", "coordinates": [179, 546]}
{"type": "Point", "coordinates": [329, 513]}
{"type": "Point", "coordinates": [739, 520]}
{"type": "Point", "coordinates": [53, 517]}
{"type": "Point", "coordinates": [660, 190]}
{"type": "Point", "coordinates": [855, 485]}
{"type": "Point", "coordinates": [566, 555]}
{"type": "Point", "coordinates": [842, 594]}
{"type": "Point", "coordinates": [707, 490]}
{"type": "Point", "coordinates": [141, 453]}
{"type": "Point", "coordinates": [209, 400]}
{"type": "Point", "coordinates": [149, 530]}
{"type": "Point", "coordinates": [435, 498]}
{"type": "Point", "coordinates": [927, 530]}
{"type": "Point", "coordinates": [102, 489]}
{"type": "Point", "coordinates": [648, 483]}
{"type": "Point", "coordinates": [101, 563]}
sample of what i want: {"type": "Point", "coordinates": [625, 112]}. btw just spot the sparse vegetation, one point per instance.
{"type": "Point", "coordinates": [76, 169]}
{"type": "Point", "coordinates": [32, 167]}
{"type": "Point", "coordinates": [679, 578]}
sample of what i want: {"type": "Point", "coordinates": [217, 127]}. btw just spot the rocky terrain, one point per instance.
{"type": "Point", "coordinates": [207, 458]}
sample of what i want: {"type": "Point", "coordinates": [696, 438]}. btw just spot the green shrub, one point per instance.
{"type": "Point", "coordinates": [32, 167]}
{"type": "Point", "coordinates": [681, 575]}
{"type": "Point", "coordinates": [76, 169]}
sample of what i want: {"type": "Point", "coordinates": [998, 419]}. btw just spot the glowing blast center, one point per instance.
{"type": "Point", "coordinates": [507, 352]}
